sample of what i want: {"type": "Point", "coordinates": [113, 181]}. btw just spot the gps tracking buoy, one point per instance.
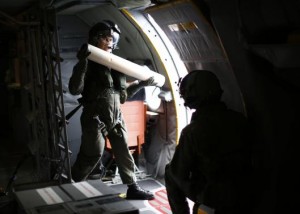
{"type": "Point", "coordinates": [124, 66]}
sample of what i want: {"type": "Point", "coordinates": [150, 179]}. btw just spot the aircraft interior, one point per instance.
{"type": "Point", "coordinates": [252, 46]}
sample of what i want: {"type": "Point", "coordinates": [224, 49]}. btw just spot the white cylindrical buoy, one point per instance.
{"type": "Point", "coordinates": [124, 66]}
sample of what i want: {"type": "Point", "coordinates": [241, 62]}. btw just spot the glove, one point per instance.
{"type": "Point", "coordinates": [123, 96]}
{"type": "Point", "coordinates": [148, 82]}
{"type": "Point", "coordinates": [134, 88]}
{"type": "Point", "coordinates": [83, 52]}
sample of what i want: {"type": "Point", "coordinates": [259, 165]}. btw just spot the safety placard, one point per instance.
{"type": "Point", "coordinates": [49, 196]}
{"type": "Point", "coordinates": [87, 189]}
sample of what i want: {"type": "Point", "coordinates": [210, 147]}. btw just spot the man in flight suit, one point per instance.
{"type": "Point", "coordinates": [211, 165]}
{"type": "Point", "coordinates": [103, 90]}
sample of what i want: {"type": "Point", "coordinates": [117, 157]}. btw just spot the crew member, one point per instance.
{"type": "Point", "coordinates": [103, 90]}
{"type": "Point", "coordinates": [212, 162]}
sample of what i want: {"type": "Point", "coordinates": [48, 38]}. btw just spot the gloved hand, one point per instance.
{"type": "Point", "coordinates": [134, 88]}
{"type": "Point", "coordinates": [148, 82]}
{"type": "Point", "coordinates": [83, 52]}
{"type": "Point", "coordinates": [123, 96]}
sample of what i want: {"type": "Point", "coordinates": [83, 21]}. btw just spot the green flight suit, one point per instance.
{"type": "Point", "coordinates": [100, 88]}
{"type": "Point", "coordinates": [212, 162]}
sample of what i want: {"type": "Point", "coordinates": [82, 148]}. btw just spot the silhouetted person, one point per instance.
{"type": "Point", "coordinates": [212, 162]}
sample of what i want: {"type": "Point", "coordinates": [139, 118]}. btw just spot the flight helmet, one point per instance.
{"type": "Point", "coordinates": [199, 87]}
{"type": "Point", "coordinates": [103, 29]}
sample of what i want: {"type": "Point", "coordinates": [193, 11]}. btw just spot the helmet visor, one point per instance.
{"type": "Point", "coordinates": [109, 33]}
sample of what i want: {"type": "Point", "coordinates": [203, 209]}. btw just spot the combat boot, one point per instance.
{"type": "Point", "coordinates": [135, 192]}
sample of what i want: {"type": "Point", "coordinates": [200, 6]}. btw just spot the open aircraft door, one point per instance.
{"type": "Point", "coordinates": [184, 40]}
{"type": "Point", "coordinates": [198, 45]}
{"type": "Point", "coordinates": [191, 41]}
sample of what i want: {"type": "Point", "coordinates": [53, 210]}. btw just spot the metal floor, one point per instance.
{"type": "Point", "coordinates": [159, 205]}
{"type": "Point", "coordinates": [15, 168]}
{"type": "Point", "coordinates": [13, 159]}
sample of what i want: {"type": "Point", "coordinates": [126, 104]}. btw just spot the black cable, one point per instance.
{"type": "Point", "coordinates": [11, 180]}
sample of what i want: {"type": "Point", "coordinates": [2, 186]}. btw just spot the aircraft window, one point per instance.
{"type": "Point", "coordinates": [183, 26]}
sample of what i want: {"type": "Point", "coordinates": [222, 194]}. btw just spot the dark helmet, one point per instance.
{"type": "Point", "coordinates": [103, 29]}
{"type": "Point", "coordinates": [199, 87]}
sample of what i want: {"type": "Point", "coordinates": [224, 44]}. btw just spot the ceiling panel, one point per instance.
{"type": "Point", "coordinates": [14, 7]}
